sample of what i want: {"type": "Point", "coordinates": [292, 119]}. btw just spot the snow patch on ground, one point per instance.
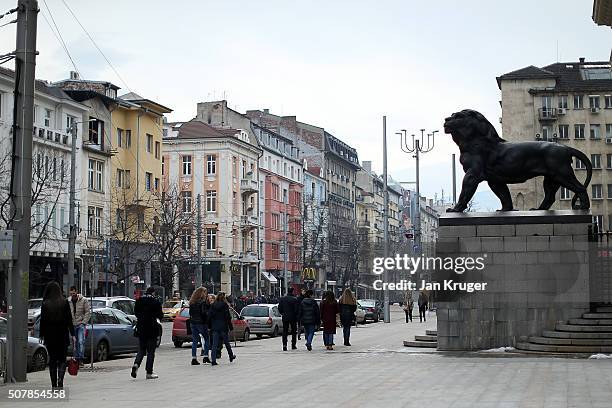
{"type": "Point", "coordinates": [600, 356]}
{"type": "Point", "coordinates": [499, 350]}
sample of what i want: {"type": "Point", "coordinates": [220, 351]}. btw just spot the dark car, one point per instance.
{"type": "Point", "coordinates": [373, 309]}
{"type": "Point", "coordinates": [181, 335]}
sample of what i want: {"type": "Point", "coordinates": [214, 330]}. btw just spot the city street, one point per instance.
{"type": "Point", "coordinates": [376, 371]}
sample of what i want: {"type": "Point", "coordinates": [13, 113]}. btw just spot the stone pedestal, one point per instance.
{"type": "Point", "coordinates": [536, 270]}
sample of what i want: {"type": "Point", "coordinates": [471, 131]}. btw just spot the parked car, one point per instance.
{"type": "Point", "coordinates": [36, 355]}
{"type": "Point", "coordinates": [34, 306]}
{"type": "Point", "coordinates": [372, 308]}
{"type": "Point", "coordinates": [171, 308]}
{"type": "Point", "coordinates": [123, 303]}
{"type": "Point", "coordinates": [263, 319]}
{"type": "Point", "coordinates": [180, 333]}
{"type": "Point", "coordinates": [360, 315]}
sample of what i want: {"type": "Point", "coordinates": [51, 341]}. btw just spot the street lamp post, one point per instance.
{"type": "Point", "coordinates": [418, 146]}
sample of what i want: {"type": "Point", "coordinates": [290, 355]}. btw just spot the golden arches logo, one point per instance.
{"type": "Point", "coordinates": [309, 274]}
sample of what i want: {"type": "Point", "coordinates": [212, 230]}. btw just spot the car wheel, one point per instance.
{"type": "Point", "coordinates": [247, 335]}
{"type": "Point", "coordinates": [102, 351]}
{"type": "Point", "coordinates": [178, 344]}
{"type": "Point", "coordinates": [259, 335]}
{"type": "Point", "coordinates": [39, 360]}
{"type": "Point", "coordinates": [376, 319]}
{"type": "Point", "coordinates": [274, 332]}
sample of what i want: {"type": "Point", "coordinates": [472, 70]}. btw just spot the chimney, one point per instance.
{"type": "Point", "coordinates": [74, 75]}
{"type": "Point", "coordinates": [581, 59]}
{"type": "Point", "coordinates": [266, 111]}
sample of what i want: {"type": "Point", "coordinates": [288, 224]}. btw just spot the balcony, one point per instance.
{"type": "Point", "coordinates": [547, 114]}
{"type": "Point", "coordinates": [52, 136]}
{"type": "Point", "coordinates": [248, 222]}
{"type": "Point", "coordinates": [248, 186]}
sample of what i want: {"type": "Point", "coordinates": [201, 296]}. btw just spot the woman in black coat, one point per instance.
{"type": "Point", "coordinates": [220, 322]}
{"type": "Point", "coordinates": [55, 329]}
{"type": "Point", "coordinates": [348, 307]}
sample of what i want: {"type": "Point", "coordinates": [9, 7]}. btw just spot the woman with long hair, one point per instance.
{"type": "Point", "coordinates": [348, 307]}
{"type": "Point", "coordinates": [55, 329]}
{"type": "Point", "coordinates": [198, 319]}
{"type": "Point", "coordinates": [221, 325]}
{"type": "Point", "coordinates": [329, 310]}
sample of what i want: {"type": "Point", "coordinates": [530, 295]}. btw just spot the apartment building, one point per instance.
{"type": "Point", "coordinates": [220, 165]}
{"type": "Point", "coordinates": [568, 103]}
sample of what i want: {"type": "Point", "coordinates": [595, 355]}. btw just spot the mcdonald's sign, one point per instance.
{"type": "Point", "coordinates": [309, 274]}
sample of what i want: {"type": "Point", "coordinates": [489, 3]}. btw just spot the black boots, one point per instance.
{"type": "Point", "coordinates": [194, 361]}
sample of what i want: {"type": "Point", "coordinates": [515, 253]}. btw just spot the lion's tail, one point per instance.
{"type": "Point", "coordinates": [584, 159]}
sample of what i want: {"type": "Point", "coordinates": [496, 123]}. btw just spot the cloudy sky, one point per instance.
{"type": "Point", "coordinates": [338, 64]}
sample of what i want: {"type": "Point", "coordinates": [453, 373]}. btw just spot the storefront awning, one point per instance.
{"type": "Point", "coordinates": [269, 277]}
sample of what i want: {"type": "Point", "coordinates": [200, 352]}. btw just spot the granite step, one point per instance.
{"type": "Point", "coordinates": [550, 348]}
{"type": "Point", "coordinates": [575, 335]}
{"type": "Point", "coordinates": [426, 338]}
{"type": "Point", "coordinates": [431, 332]}
{"type": "Point", "coordinates": [583, 328]}
{"type": "Point", "coordinates": [590, 322]}
{"type": "Point", "coordinates": [421, 344]}
{"type": "Point", "coordinates": [597, 316]}
{"type": "Point", "coordinates": [604, 309]}
{"type": "Point", "coordinates": [570, 342]}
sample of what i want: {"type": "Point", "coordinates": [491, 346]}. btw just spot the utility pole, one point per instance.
{"type": "Point", "coordinates": [21, 189]}
{"type": "Point", "coordinates": [386, 220]}
{"type": "Point", "coordinates": [198, 277]}
{"type": "Point", "coordinates": [72, 206]}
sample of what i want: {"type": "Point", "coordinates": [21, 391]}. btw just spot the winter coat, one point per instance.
{"type": "Point", "coordinates": [219, 317]}
{"type": "Point", "coordinates": [308, 313]}
{"type": "Point", "coordinates": [147, 310]}
{"type": "Point", "coordinates": [55, 332]}
{"type": "Point", "coordinates": [198, 312]}
{"type": "Point", "coordinates": [329, 310]}
{"type": "Point", "coordinates": [288, 308]}
{"type": "Point", "coordinates": [347, 314]}
{"type": "Point", "coordinates": [422, 299]}
{"type": "Point", "coordinates": [81, 310]}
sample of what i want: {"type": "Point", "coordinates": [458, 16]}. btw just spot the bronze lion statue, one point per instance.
{"type": "Point", "coordinates": [487, 157]}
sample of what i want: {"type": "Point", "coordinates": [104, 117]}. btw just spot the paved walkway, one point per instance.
{"type": "Point", "coordinates": [377, 371]}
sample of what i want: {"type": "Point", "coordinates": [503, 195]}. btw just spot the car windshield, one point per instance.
{"type": "Point", "coordinates": [170, 304]}
{"type": "Point", "coordinates": [255, 311]}
{"type": "Point", "coordinates": [34, 304]}
{"type": "Point", "coordinates": [366, 303]}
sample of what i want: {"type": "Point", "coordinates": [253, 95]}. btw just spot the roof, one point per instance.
{"type": "Point", "coordinates": [135, 98]}
{"type": "Point", "coordinates": [41, 86]}
{"type": "Point", "coordinates": [341, 149]}
{"type": "Point", "coordinates": [196, 129]}
{"type": "Point", "coordinates": [569, 76]}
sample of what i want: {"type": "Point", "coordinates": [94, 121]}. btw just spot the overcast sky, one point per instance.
{"type": "Point", "coordinates": [336, 64]}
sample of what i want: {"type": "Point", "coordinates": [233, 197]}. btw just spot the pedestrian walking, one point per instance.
{"type": "Point", "coordinates": [422, 302]}
{"type": "Point", "coordinates": [221, 325]}
{"type": "Point", "coordinates": [329, 311]}
{"type": "Point", "coordinates": [299, 323]}
{"type": "Point", "coordinates": [55, 329]}
{"type": "Point", "coordinates": [408, 305]}
{"type": "Point", "coordinates": [81, 313]}
{"type": "Point", "coordinates": [348, 307]}
{"type": "Point", "coordinates": [211, 300]}
{"type": "Point", "coordinates": [310, 317]}
{"type": "Point", "coordinates": [198, 321]}
{"type": "Point", "coordinates": [288, 308]}
{"type": "Point", "coordinates": [147, 310]}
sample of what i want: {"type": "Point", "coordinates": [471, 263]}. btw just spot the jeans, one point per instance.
{"type": "Point", "coordinates": [219, 337]}
{"type": "Point", "coordinates": [197, 330]}
{"type": "Point", "coordinates": [422, 310]}
{"type": "Point", "coordinates": [328, 339]}
{"type": "Point", "coordinates": [309, 330]}
{"type": "Point", "coordinates": [346, 331]}
{"type": "Point", "coordinates": [286, 326]}
{"type": "Point", "coordinates": [146, 346]}
{"type": "Point", "coordinates": [79, 346]}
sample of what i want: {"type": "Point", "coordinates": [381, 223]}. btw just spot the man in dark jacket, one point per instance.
{"type": "Point", "coordinates": [220, 325]}
{"type": "Point", "coordinates": [147, 310]}
{"type": "Point", "coordinates": [288, 308]}
{"type": "Point", "coordinates": [310, 317]}
{"type": "Point", "coordinates": [299, 323]}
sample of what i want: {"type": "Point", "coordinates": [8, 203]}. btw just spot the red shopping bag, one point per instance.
{"type": "Point", "coordinates": [73, 366]}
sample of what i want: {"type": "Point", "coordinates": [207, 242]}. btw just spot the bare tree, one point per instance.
{"type": "Point", "coordinates": [315, 220]}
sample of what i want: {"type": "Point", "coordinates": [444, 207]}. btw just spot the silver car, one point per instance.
{"type": "Point", "coordinates": [34, 306]}
{"type": "Point", "coordinates": [263, 319]}
{"type": "Point", "coordinates": [123, 303]}
{"type": "Point", "coordinates": [37, 356]}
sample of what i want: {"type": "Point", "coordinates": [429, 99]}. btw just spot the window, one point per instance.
{"type": "Point", "coordinates": [275, 221]}
{"type": "Point", "coordinates": [119, 137]}
{"type": "Point", "coordinates": [211, 238]}
{"type": "Point", "coordinates": [186, 201]}
{"type": "Point", "coordinates": [596, 161]}
{"type": "Point", "coordinates": [211, 164]}
{"type": "Point", "coordinates": [563, 132]}
{"type": "Point", "coordinates": [243, 169]}
{"type": "Point", "coordinates": [595, 131]}
{"type": "Point", "coordinates": [140, 221]}
{"type": "Point", "coordinates": [70, 121]}
{"type": "Point", "coordinates": [580, 165]}
{"type": "Point", "coordinates": [120, 176]}
{"type": "Point", "coordinates": [596, 191]}
{"type": "Point", "coordinates": [95, 175]}
{"type": "Point", "coordinates": [598, 220]}
{"type": "Point", "coordinates": [94, 221]}
{"type": "Point", "coordinates": [578, 131]}
{"type": "Point", "coordinates": [608, 101]}
{"type": "Point", "coordinates": [608, 161]}
{"type": "Point", "coordinates": [157, 150]}
{"type": "Point", "coordinates": [163, 165]}
{"type": "Point", "coordinates": [610, 191]}
{"type": "Point", "coordinates": [546, 132]}
{"type": "Point", "coordinates": [186, 165]}
{"type": "Point", "coordinates": [211, 201]}
{"type": "Point", "coordinates": [118, 218]}
{"type": "Point", "coordinates": [148, 181]}
{"type": "Point", "coordinates": [48, 117]}
{"type": "Point", "coordinates": [578, 101]}
{"type": "Point", "coordinates": [96, 131]}
{"type": "Point", "coordinates": [156, 184]}
{"type": "Point", "coordinates": [149, 143]}
{"type": "Point", "coordinates": [563, 101]}
{"type": "Point", "coordinates": [127, 180]}
{"type": "Point", "coordinates": [594, 101]}
{"type": "Point", "coordinates": [186, 239]}
{"type": "Point", "coordinates": [609, 131]}
{"type": "Point", "coordinates": [128, 138]}
{"type": "Point", "coordinates": [275, 192]}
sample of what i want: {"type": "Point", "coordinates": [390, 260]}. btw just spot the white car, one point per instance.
{"type": "Point", "coordinates": [123, 303]}
{"type": "Point", "coordinates": [360, 316]}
